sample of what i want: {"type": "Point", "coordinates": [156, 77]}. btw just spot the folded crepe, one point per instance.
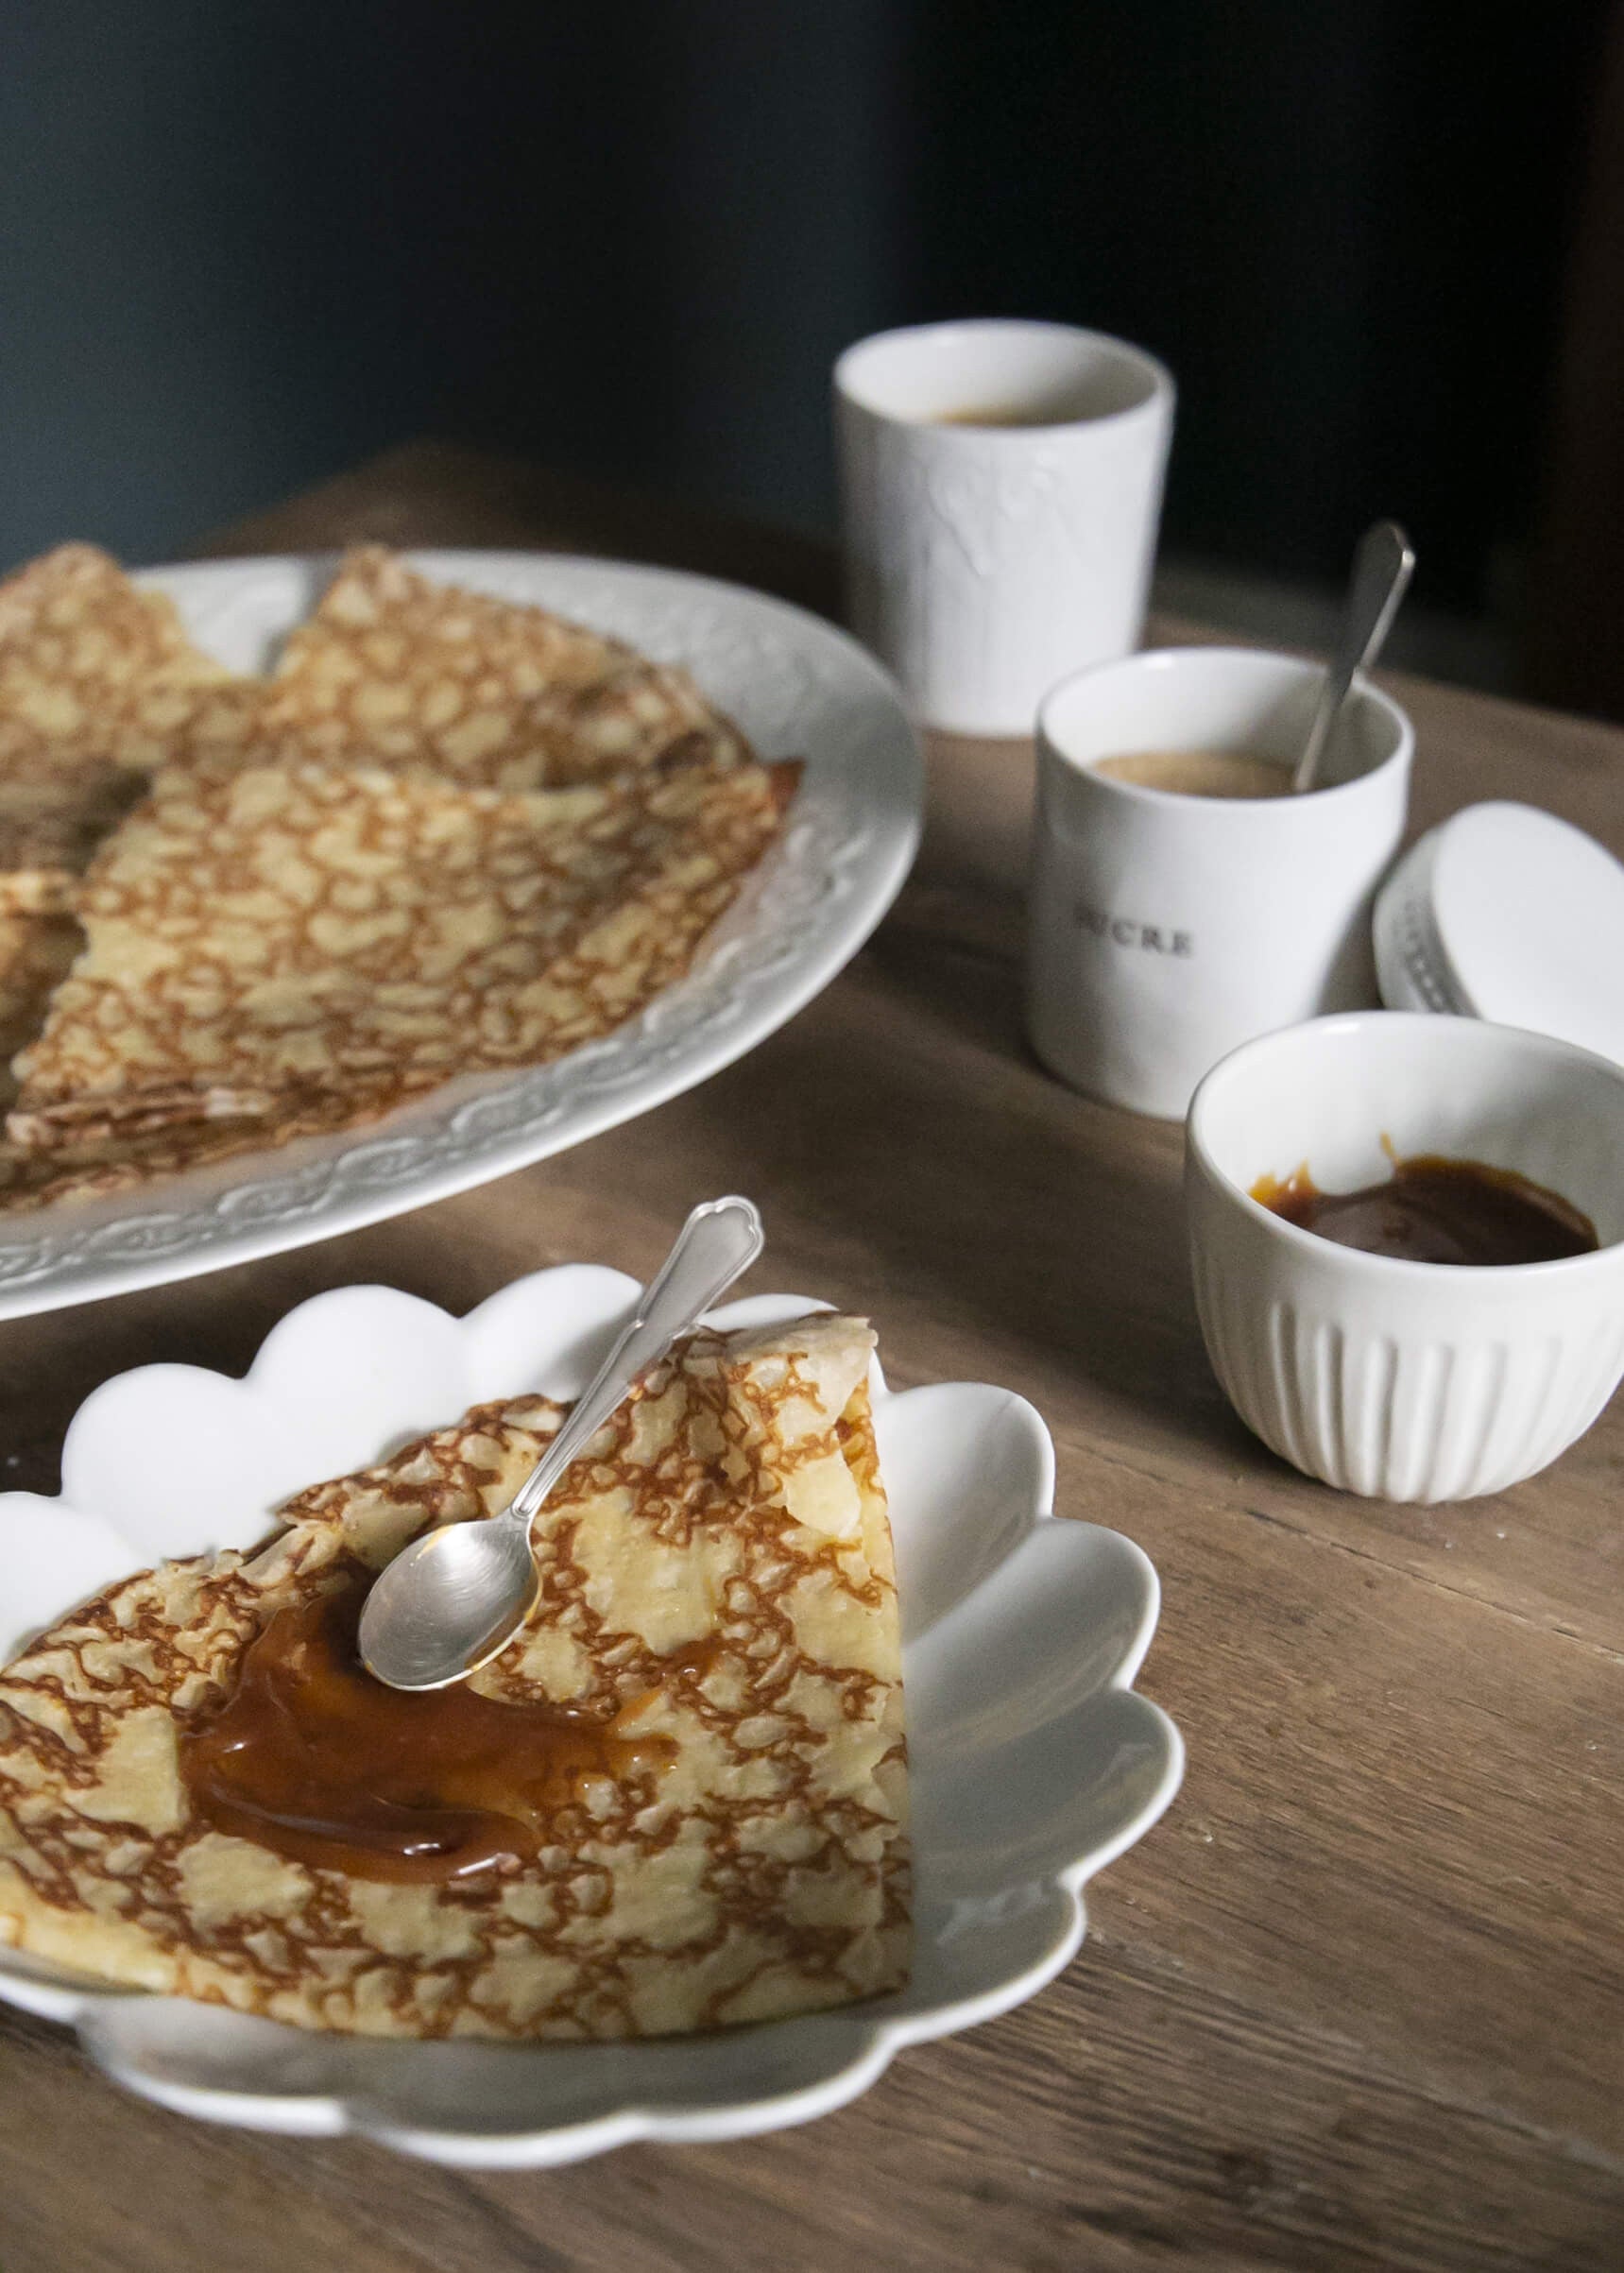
{"type": "Point", "coordinates": [396, 671]}
{"type": "Point", "coordinates": [713, 1830]}
{"type": "Point", "coordinates": [99, 684]}
{"type": "Point", "coordinates": [298, 940]}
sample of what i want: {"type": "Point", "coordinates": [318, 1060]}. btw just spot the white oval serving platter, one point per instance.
{"type": "Point", "coordinates": [1031, 1761]}
{"type": "Point", "coordinates": [798, 687]}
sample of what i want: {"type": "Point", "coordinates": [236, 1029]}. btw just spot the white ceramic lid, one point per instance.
{"type": "Point", "coordinates": [1506, 913]}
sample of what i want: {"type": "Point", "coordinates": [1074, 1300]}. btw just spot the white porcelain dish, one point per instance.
{"type": "Point", "coordinates": [800, 687]}
{"type": "Point", "coordinates": [1032, 1761]}
{"type": "Point", "coordinates": [1404, 1380]}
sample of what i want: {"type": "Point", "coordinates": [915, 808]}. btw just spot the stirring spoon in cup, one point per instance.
{"type": "Point", "coordinates": [452, 1600]}
{"type": "Point", "coordinates": [1382, 566]}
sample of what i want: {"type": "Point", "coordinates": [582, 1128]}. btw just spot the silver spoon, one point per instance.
{"type": "Point", "coordinates": [453, 1599]}
{"type": "Point", "coordinates": [1382, 566]}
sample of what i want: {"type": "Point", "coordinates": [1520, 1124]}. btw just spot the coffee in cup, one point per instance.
{"type": "Point", "coordinates": [1198, 772]}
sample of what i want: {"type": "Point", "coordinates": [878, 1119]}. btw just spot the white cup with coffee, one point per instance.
{"type": "Point", "coordinates": [1002, 487]}
{"type": "Point", "coordinates": [1181, 898]}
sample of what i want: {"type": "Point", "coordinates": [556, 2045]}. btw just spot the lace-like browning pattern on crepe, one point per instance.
{"type": "Point", "coordinates": [271, 941]}
{"type": "Point", "coordinates": [395, 670]}
{"type": "Point", "coordinates": [97, 679]}
{"type": "Point", "coordinates": [736, 1504]}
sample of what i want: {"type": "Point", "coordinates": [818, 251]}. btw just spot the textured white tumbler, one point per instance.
{"type": "Point", "coordinates": [1002, 487]}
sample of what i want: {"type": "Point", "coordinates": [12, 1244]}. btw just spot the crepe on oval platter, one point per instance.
{"type": "Point", "coordinates": [395, 670]}
{"type": "Point", "coordinates": [448, 835]}
{"type": "Point", "coordinates": [99, 687]}
{"type": "Point", "coordinates": [298, 940]}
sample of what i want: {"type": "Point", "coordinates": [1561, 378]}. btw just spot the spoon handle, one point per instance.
{"type": "Point", "coordinates": [721, 1238]}
{"type": "Point", "coordinates": [1382, 565]}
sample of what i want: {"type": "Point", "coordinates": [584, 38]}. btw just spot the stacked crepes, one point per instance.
{"type": "Point", "coordinates": [447, 835]}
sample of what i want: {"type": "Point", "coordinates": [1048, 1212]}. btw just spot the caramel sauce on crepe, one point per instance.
{"type": "Point", "coordinates": [676, 1801]}
{"type": "Point", "coordinates": [313, 1757]}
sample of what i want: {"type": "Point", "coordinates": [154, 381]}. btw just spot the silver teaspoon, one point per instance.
{"type": "Point", "coordinates": [1382, 566]}
{"type": "Point", "coordinates": [455, 1597]}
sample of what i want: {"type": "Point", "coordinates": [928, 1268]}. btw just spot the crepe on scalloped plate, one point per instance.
{"type": "Point", "coordinates": [1031, 1760]}
{"type": "Point", "coordinates": [699, 1820]}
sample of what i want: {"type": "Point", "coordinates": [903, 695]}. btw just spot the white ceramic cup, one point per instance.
{"type": "Point", "coordinates": [1165, 929]}
{"type": "Point", "coordinates": [984, 560]}
{"type": "Point", "coordinates": [1404, 1380]}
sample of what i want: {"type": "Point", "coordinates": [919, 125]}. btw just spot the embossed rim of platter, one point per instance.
{"type": "Point", "coordinates": [1033, 1760]}
{"type": "Point", "coordinates": [800, 689]}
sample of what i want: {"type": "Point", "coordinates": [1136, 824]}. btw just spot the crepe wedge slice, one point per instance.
{"type": "Point", "coordinates": [99, 684]}
{"type": "Point", "coordinates": [718, 1602]}
{"type": "Point", "coordinates": [301, 940]}
{"type": "Point", "coordinates": [398, 671]}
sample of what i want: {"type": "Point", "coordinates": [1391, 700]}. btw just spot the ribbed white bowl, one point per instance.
{"type": "Point", "coordinates": [1404, 1380]}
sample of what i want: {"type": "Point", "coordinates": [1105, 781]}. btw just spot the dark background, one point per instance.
{"type": "Point", "coordinates": [241, 245]}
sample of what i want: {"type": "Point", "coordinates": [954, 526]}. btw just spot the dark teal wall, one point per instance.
{"type": "Point", "coordinates": [244, 242]}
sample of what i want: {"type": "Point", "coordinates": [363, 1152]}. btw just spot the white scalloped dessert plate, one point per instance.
{"type": "Point", "coordinates": [799, 688]}
{"type": "Point", "coordinates": [1031, 1761]}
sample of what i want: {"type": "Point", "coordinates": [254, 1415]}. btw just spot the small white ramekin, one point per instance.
{"type": "Point", "coordinates": [1403, 1380]}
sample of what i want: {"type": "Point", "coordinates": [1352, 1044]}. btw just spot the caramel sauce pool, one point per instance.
{"type": "Point", "coordinates": [312, 1756]}
{"type": "Point", "coordinates": [1437, 1210]}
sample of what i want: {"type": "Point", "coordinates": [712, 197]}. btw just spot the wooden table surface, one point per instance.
{"type": "Point", "coordinates": [1356, 2002]}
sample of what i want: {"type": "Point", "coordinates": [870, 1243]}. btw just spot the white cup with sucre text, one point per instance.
{"type": "Point", "coordinates": [1001, 487]}
{"type": "Point", "coordinates": [1165, 929]}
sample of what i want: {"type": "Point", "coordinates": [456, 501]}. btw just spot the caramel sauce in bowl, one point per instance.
{"type": "Point", "coordinates": [313, 1757]}
{"type": "Point", "coordinates": [1331, 1326]}
{"type": "Point", "coordinates": [1433, 1209]}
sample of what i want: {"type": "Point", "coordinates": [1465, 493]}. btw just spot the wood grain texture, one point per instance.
{"type": "Point", "coordinates": [1358, 2002]}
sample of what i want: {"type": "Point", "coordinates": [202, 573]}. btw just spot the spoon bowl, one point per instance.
{"type": "Point", "coordinates": [457, 1595]}
{"type": "Point", "coordinates": [452, 1600]}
